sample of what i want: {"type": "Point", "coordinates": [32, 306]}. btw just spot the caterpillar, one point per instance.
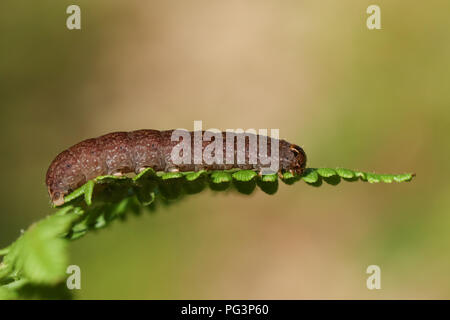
{"type": "Point", "coordinates": [119, 153]}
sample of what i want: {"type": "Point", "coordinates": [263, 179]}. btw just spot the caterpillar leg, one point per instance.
{"type": "Point", "coordinates": [280, 174]}
{"type": "Point", "coordinates": [58, 199]}
{"type": "Point", "coordinates": [122, 171]}
{"type": "Point", "coordinates": [139, 170]}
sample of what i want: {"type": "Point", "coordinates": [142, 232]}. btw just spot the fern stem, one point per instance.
{"type": "Point", "coordinates": [4, 252]}
{"type": "Point", "coordinates": [16, 284]}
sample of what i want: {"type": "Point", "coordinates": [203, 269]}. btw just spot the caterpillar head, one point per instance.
{"type": "Point", "coordinates": [298, 164]}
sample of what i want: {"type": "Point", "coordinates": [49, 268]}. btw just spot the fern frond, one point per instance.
{"type": "Point", "coordinates": [36, 262]}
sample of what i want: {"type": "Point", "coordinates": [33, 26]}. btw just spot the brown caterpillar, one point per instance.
{"type": "Point", "coordinates": [123, 152]}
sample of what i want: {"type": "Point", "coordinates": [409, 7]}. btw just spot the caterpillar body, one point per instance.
{"type": "Point", "coordinates": [118, 153]}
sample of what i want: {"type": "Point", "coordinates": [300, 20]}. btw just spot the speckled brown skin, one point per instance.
{"type": "Point", "coordinates": [123, 152]}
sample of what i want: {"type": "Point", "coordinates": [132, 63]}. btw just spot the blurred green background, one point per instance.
{"type": "Point", "coordinates": [370, 100]}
